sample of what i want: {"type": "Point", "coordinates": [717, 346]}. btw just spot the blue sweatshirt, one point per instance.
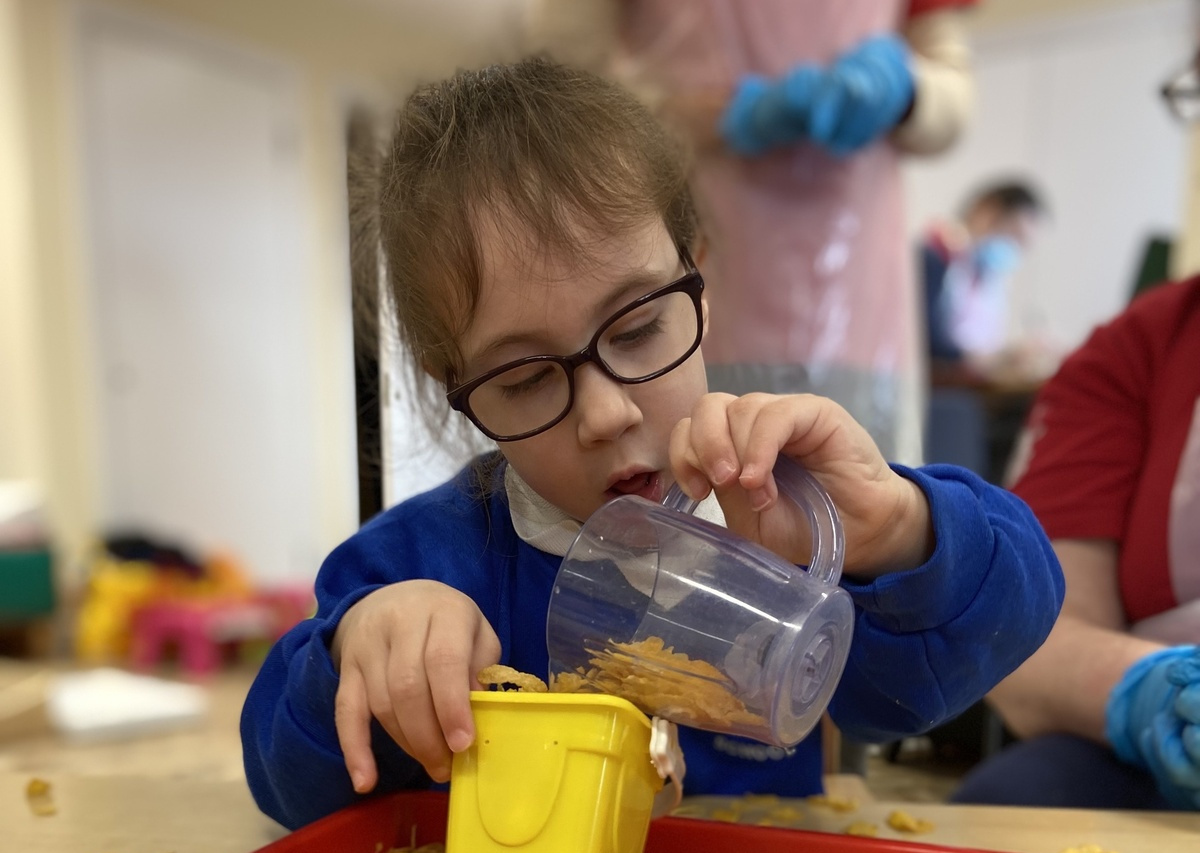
{"type": "Point", "coordinates": [928, 643]}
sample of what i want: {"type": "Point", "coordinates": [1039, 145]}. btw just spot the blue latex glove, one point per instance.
{"type": "Point", "coordinates": [844, 107]}
{"type": "Point", "coordinates": [864, 94]}
{"type": "Point", "coordinates": [765, 114]}
{"type": "Point", "coordinates": [1153, 721]}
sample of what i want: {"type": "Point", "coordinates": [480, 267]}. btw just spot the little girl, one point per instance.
{"type": "Point", "coordinates": [539, 237]}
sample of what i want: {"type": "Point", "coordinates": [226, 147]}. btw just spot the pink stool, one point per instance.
{"type": "Point", "coordinates": [289, 604]}
{"type": "Point", "coordinates": [198, 628]}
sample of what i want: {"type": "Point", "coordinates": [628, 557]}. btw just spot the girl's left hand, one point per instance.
{"type": "Point", "coordinates": [730, 445]}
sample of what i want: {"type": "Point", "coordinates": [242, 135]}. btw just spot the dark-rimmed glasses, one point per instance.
{"type": "Point", "coordinates": [650, 336]}
{"type": "Point", "coordinates": [1182, 92]}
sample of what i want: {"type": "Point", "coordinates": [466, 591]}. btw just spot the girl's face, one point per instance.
{"type": "Point", "coordinates": [614, 438]}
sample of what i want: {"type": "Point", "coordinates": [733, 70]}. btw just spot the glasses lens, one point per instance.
{"type": "Point", "coordinates": [636, 344]}
{"type": "Point", "coordinates": [652, 337]}
{"type": "Point", "coordinates": [521, 399]}
{"type": "Point", "coordinates": [1183, 95]}
{"type": "Point", "coordinates": [1186, 105]}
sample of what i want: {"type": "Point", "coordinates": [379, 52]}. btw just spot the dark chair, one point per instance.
{"type": "Point", "coordinates": [956, 431]}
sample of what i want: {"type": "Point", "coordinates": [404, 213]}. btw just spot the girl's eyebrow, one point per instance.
{"type": "Point", "coordinates": [642, 280]}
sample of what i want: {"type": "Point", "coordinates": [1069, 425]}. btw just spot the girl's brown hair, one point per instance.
{"type": "Point", "coordinates": [547, 152]}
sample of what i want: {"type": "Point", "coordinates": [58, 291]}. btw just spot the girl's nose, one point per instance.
{"type": "Point", "coordinates": [604, 408]}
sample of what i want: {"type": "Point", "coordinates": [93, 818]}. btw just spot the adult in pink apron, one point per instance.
{"type": "Point", "coordinates": [809, 266]}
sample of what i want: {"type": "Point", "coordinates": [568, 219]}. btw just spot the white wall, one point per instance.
{"type": "Point", "coordinates": [22, 449]}
{"type": "Point", "coordinates": [51, 422]}
{"type": "Point", "coordinates": [199, 241]}
{"type": "Point", "coordinates": [417, 456]}
{"type": "Point", "coordinates": [1073, 103]}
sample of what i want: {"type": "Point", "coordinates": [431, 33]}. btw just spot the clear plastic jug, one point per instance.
{"type": "Point", "coordinates": [695, 624]}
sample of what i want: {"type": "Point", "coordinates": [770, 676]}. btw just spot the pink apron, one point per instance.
{"type": "Point", "coordinates": [811, 286]}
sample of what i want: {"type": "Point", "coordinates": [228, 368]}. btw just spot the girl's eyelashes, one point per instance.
{"type": "Point", "coordinates": [527, 385]}
{"type": "Point", "coordinates": [641, 334]}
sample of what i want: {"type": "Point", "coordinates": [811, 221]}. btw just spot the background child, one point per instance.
{"type": "Point", "coordinates": [529, 210]}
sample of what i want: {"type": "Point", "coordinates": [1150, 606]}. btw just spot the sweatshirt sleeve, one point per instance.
{"type": "Point", "coordinates": [942, 79]}
{"type": "Point", "coordinates": [294, 764]}
{"type": "Point", "coordinates": [930, 642]}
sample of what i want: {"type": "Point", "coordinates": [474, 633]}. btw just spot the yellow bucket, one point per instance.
{"type": "Point", "coordinates": [553, 773]}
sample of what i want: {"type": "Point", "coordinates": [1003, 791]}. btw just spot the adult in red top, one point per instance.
{"type": "Point", "coordinates": [1117, 457]}
{"type": "Point", "coordinates": [1110, 705]}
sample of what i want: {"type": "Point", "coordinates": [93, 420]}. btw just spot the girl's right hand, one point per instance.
{"type": "Point", "coordinates": [730, 444]}
{"type": "Point", "coordinates": [408, 654]}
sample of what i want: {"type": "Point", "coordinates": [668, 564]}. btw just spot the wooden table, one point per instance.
{"type": "Point", "coordinates": [122, 814]}
{"type": "Point", "coordinates": [132, 814]}
{"type": "Point", "coordinates": [1014, 830]}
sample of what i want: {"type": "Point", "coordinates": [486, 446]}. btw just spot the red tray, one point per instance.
{"type": "Point", "coordinates": [390, 820]}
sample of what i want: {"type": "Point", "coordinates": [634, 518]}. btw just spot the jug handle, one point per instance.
{"type": "Point", "coordinates": [828, 539]}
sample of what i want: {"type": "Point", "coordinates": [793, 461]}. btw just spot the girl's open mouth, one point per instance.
{"type": "Point", "coordinates": [648, 485]}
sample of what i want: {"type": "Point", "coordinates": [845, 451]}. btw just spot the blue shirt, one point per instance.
{"type": "Point", "coordinates": [928, 642]}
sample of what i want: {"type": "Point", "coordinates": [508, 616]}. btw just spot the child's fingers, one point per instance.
{"type": "Point", "coordinates": [685, 467]}
{"type": "Point", "coordinates": [711, 443]}
{"type": "Point", "coordinates": [759, 445]}
{"type": "Point", "coordinates": [411, 706]}
{"type": "Point", "coordinates": [786, 423]}
{"type": "Point", "coordinates": [450, 662]}
{"type": "Point", "coordinates": [352, 718]}
{"type": "Point", "coordinates": [379, 700]}
{"type": "Point", "coordinates": [756, 482]}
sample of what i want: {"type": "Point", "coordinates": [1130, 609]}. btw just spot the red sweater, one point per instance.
{"type": "Point", "coordinates": [1116, 447]}
{"type": "Point", "coordinates": [920, 7]}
